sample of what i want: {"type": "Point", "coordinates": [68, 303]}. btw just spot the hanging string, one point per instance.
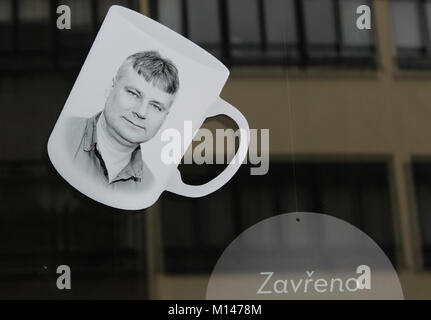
{"type": "Point", "coordinates": [289, 108]}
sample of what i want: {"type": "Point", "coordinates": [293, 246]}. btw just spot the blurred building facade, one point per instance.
{"type": "Point", "coordinates": [347, 111]}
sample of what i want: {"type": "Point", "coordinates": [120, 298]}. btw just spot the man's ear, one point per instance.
{"type": "Point", "coordinates": [108, 89]}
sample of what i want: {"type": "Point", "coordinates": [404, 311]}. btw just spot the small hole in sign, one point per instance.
{"type": "Point", "coordinates": [297, 219]}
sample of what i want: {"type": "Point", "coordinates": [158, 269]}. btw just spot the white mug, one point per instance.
{"type": "Point", "coordinates": [106, 115]}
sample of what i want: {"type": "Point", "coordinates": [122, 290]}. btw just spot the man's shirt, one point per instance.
{"type": "Point", "coordinates": [115, 156]}
{"type": "Point", "coordinates": [82, 141]}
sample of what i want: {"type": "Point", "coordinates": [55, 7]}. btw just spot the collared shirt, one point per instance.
{"type": "Point", "coordinates": [115, 156]}
{"type": "Point", "coordinates": [87, 157]}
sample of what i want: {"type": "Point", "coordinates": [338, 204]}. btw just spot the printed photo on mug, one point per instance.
{"type": "Point", "coordinates": [139, 79]}
{"type": "Point", "coordinates": [106, 146]}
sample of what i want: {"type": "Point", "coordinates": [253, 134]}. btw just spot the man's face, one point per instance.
{"type": "Point", "coordinates": [135, 109]}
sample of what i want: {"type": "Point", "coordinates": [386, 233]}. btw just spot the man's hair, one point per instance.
{"type": "Point", "coordinates": [162, 73]}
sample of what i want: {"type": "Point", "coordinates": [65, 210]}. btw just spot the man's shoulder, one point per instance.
{"type": "Point", "coordinates": [74, 130]}
{"type": "Point", "coordinates": [76, 123]}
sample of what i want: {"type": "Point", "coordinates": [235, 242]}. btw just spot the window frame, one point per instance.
{"type": "Point", "coordinates": [302, 47]}
{"type": "Point", "coordinates": [60, 227]}
{"type": "Point", "coordinates": [422, 249]}
{"type": "Point", "coordinates": [424, 59]}
{"type": "Point", "coordinates": [50, 60]}
{"type": "Point", "coordinates": [204, 256]}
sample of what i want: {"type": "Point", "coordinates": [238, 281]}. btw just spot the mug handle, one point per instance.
{"type": "Point", "coordinates": [176, 184]}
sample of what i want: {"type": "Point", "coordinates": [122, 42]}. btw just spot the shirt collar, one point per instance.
{"type": "Point", "coordinates": [133, 170]}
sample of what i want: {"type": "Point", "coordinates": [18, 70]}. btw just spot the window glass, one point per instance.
{"type": "Point", "coordinates": [34, 28]}
{"type": "Point", "coordinates": [217, 226]}
{"type": "Point", "coordinates": [44, 222]}
{"type": "Point", "coordinates": [355, 192]}
{"type": "Point", "coordinates": [320, 28]}
{"type": "Point", "coordinates": [34, 10]}
{"type": "Point", "coordinates": [352, 36]}
{"type": "Point", "coordinates": [244, 27]}
{"type": "Point", "coordinates": [6, 25]}
{"type": "Point", "coordinates": [203, 21]}
{"type": "Point", "coordinates": [76, 42]}
{"type": "Point", "coordinates": [5, 11]}
{"type": "Point", "coordinates": [81, 16]}
{"type": "Point", "coordinates": [257, 204]}
{"type": "Point", "coordinates": [174, 236]}
{"type": "Point", "coordinates": [169, 14]}
{"type": "Point", "coordinates": [428, 17]}
{"type": "Point", "coordinates": [280, 21]}
{"type": "Point", "coordinates": [406, 24]}
{"type": "Point", "coordinates": [319, 21]}
{"type": "Point", "coordinates": [422, 187]}
{"type": "Point", "coordinates": [104, 5]}
{"type": "Point", "coordinates": [270, 37]}
{"type": "Point", "coordinates": [203, 24]}
{"type": "Point", "coordinates": [281, 29]}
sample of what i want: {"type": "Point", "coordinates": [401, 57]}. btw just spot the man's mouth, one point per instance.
{"type": "Point", "coordinates": [134, 124]}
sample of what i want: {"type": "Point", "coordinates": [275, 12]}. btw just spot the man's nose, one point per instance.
{"type": "Point", "coordinates": [141, 110]}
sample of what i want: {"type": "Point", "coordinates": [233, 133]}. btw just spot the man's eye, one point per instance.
{"type": "Point", "coordinates": [157, 107]}
{"type": "Point", "coordinates": [132, 93]}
